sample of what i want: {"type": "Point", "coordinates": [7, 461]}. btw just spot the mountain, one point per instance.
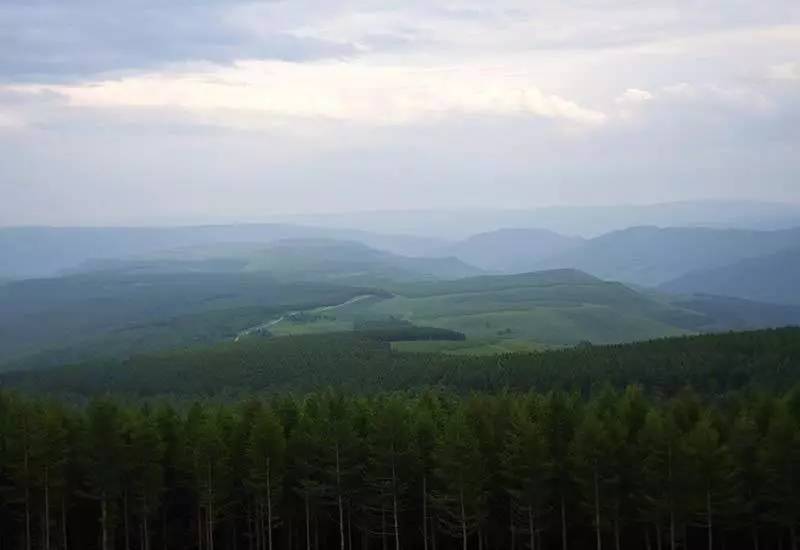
{"type": "Point", "coordinates": [27, 252]}
{"type": "Point", "coordinates": [770, 278]}
{"type": "Point", "coordinates": [651, 256]}
{"type": "Point", "coordinates": [587, 221]}
{"type": "Point", "coordinates": [724, 313]}
{"type": "Point", "coordinates": [310, 259]}
{"type": "Point", "coordinates": [294, 259]}
{"type": "Point", "coordinates": [510, 250]}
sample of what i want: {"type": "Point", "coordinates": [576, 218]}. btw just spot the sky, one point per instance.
{"type": "Point", "coordinates": [144, 111]}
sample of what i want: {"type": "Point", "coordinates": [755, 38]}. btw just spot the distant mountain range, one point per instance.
{"type": "Point", "coordinates": [651, 256]}
{"type": "Point", "coordinates": [770, 278]}
{"type": "Point", "coordinates": [586, 221]}
{"type": "Point", "coordinates": [511, 250]}
{"type": "Point", "coordinates": [47, 251]}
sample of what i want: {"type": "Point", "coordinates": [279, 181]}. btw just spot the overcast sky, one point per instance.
{"type": "Point", "coordinates": [146, 111]}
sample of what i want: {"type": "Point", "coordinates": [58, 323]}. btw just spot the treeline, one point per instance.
{"type": "Point", "coordinates": [714, 364]}
{"type": "Point", "coordinates": [433, 472]}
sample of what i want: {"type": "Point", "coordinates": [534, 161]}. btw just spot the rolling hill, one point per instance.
{"type": "Point", "coordinates": [27, 252]}
{"type": "Point", "coordinates": [294, 260]}
{"type": "Point", "coordinates": [50, 321]}
{"type": "Point", "coordinates": [771, 278]}
{"type": "Point", "coordinates": [651, 256]}
{"type": "Point", "coordinates": [505, 313]}
{"type": "Point", "coordinates": [510, 250]}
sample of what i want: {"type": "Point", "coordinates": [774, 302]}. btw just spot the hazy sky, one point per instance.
{"type": "Point", "coordinates": [136, 111]}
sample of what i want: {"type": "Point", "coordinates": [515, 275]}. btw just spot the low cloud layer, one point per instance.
{"type": "Point", "coordinates": [238, 110]}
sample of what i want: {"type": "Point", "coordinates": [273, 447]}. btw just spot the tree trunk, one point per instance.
{"type": "Point", "coordinates": [384, 546]}
{"type": "Point", "coordinates": [658, 536]}
{"type": "Point", "coordinates": [104, 521]}
{"type": "Point", "coordinates": [463, 521]}
{"type": "Point", "coordinates": [125, 520]}
{"type": "Point", "coordinates": [512, 530]}
{"type": "Point", "coordinates": [710, 521]}
{"type": "Point", "coordinates": [617, 535]}
{"type": "Point", "coordinates": [597, 511]}
{"type": "Point", "coordinates": [308, 524]}
{"type": "Point", "coordinates": [755, 537]}
{"type": "Point", "coordinates": [339, 499]}
{"type": "Point", "coordinates": [64, 523]}
{"type": "Point", "coordinates": [793, 536]}
{"type": "Point", "coordinates": [563, 523]}
{"type": "Point", "coordinates": [531, 529]}
{"type": "Point", "coordinates": [200, 525]}
{"type": "Point", "coordinates": [424, 512]}
{"type": "Point", "coordinates": [210, 508]}
{"type": "Point", "coordinates": [269, 506]}
{"type": "Point", "coordinates": [26, 461]}
{"type": "Point", "coordinates": [394, 508]}
{"type": "Point", "coordinates": [647, 542]}
{"type": "Point", "coordinates": [46, 508]}
{"type": "Point", "coordinates": [672, 543]}
{"type": "Point", "coordinates": [257, 525]}
{"type": "Point", "coordinates": [145, 531]}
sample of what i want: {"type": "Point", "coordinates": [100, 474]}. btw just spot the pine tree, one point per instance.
{"type": "Point", "coordinates": [105, 455]}
{"type": "Point", "coordinates": [709, 462]}
{"type": "Point", "coordinates": [527, 468]}
{"type": "Point", "coordinates": [266, 452]}
{"type": "Point", "coordinates": [461, 471]}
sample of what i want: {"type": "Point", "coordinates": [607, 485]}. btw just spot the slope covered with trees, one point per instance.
{"type": "Point", "coordinates": [712, 364]}
{"type": "Point", "coordinates": [538, 471]}
{"type": "Point", "coordinates": [52, 321]}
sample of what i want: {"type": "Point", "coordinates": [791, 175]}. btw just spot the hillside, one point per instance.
{"type": "Point", "coordinates": [510, 250]}
{"type": "Point", "coordinates": [771, 278]}
{"type": "Point", "coordinates": [47, 251]}
{"type": "Point", "coordinates": [651, 256]}
{"type": "Point", "coordinates": [294, 260]}
{"type": "Point", "coordinates": [512, 312]}
{"type": "Point", "coordinates": [347, 260]}
{"type": "Point", "coordinates": [46, 321]}
{"type": "Point", "coordinates": [709, 363]}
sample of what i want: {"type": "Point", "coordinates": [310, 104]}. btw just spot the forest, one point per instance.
{"type": "Point", "coordinates": [433, 471]}
{"type": "Point", "coordinates": [363, 362]}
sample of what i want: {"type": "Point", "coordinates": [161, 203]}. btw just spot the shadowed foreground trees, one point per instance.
{"type": "Point", "coordinates": [433, 471]}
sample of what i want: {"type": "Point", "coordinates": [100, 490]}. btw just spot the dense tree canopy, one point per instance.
{"type": "Point", "coordinates": [433, 471]}
{"type": "Point", "coordinates": [712, 364]}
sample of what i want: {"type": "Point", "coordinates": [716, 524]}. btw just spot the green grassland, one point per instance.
{"type": "Point", "coordinates": [510, 313]}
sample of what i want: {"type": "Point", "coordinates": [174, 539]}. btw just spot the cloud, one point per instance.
{"type": "Point", "coordinates": [634, 95]}
{"type": "Point", "coordinates": [331, 90]}
{"type": "Point", "coordinates": [784, 71]}
{"type": "Point", "coordinates": [129, 109]}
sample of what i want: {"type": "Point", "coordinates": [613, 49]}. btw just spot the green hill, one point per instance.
{"type": "Point", "coordinates": [51, 321]}
{"type": "Point", "coordinates": [527, 311]}
{"type": "Point", "coordinates": [295, 260]}
{"type": "Point", "coordinates": [27, 252]}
